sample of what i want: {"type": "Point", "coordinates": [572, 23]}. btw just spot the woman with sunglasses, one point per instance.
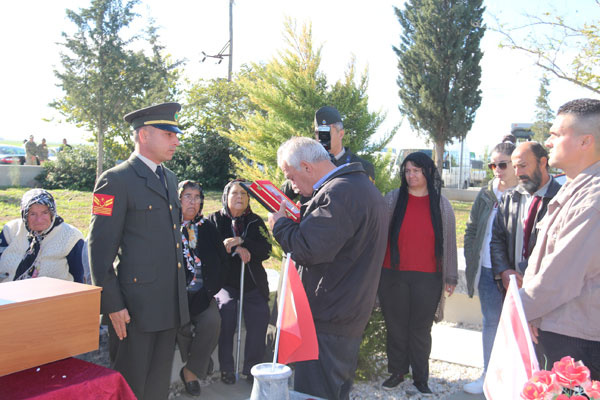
{"type": "Point", "coordinates": [477, 249]}
{"type": "Point", "coordinates": [206, 268]}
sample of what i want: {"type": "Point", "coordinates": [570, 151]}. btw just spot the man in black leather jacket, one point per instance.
{"type": "Point", "coordinates": [507, 248]}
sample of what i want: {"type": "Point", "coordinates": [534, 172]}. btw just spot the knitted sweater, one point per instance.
{"type": "Point", "coordinates": [52, 258]}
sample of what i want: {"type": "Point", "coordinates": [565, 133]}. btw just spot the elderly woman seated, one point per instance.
{"type": "Point", "coordinates": [206, 268]}
{"type": "Point", "coordinates": [40, 243]}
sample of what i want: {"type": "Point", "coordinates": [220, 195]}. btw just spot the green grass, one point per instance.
{"type": "Point", "coordinates": [461, 213]}
{"type": "Point", "coordinates": [75, 207]}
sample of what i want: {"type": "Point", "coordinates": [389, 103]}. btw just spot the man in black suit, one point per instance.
{"type": "Point", "coordinates": [136, 219]}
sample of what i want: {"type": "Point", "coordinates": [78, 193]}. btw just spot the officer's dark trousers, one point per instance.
{"type": "Point", "coordinates": [555, 346]}
{"type": "Point", "coordinates": [144, 359]}
{"type": "Point", "coordinates": [331, 376]}
{"type": "Point", "coordinates": [409, 300]}
{"type": "Point", "coordinates": [256, 319]}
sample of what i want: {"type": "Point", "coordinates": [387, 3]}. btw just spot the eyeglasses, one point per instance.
{"type": "Point", "coordinates": [192, 198]}
{"type": "Point", "coordinates": [501, 165]}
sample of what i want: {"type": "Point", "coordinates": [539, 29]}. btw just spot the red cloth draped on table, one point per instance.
{"type": "Point", "coordinates": [68, 379]}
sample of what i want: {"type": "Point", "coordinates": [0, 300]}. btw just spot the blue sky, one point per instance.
{"type": "Point", "coordinates": [366, 30]}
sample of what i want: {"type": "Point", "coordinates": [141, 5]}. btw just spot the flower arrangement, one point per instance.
{"type": "Point", "coordinates": [567, 380]}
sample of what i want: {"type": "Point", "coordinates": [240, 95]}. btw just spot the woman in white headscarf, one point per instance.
{"type": "Point", "coordinates": [40, 243]}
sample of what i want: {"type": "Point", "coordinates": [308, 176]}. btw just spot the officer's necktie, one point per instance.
{"type": "Point", "coordinates": [161, 176]}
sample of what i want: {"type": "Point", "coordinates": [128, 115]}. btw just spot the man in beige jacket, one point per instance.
{"type": "Point", "coordinates": [561, 286]}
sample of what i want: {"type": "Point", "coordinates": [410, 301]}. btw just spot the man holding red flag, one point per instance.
{"type": "Point", "coordinates": [340, 243]}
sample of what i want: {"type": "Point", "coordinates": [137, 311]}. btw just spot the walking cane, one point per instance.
{"type": "Point", "coordinates": [239, 322]}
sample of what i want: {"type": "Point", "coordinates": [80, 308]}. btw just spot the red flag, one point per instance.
{"type": "Point", "coordinates": [513, 359]}
{"type": "Point", "coordinates": [298, 339]}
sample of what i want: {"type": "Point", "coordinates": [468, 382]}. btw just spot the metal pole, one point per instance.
{"type": "Point", "coordinates": [230, 40]}
{"type": "Point", "coordinates": [239, 322]}
{"type": "Point", "coordinates": [460, 170]}
{"type": "Point", "coordinates": [280, 306]}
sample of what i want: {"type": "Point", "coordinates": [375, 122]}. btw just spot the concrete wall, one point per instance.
{"type": "Point", "coordinates": [19, 175]}
{"type": "Point", "coordinates": [459, 307]}
{"type": "Point", "coordinates": [461, 194]}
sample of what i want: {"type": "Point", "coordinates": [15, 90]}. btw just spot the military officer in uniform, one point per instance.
{"type": "Point", "coordinates": [136, 220]}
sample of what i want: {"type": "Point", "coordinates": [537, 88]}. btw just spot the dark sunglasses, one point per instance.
{"type": "Point", "coordinates": [501, 165]}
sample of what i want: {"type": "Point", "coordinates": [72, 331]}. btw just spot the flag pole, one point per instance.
{"type": "Point", "coordinates": [280, 305]}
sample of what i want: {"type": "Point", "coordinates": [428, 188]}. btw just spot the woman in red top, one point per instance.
{"type": "Point", "coordinates": [420, 262]}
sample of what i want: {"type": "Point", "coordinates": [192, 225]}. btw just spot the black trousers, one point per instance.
{"type": "Point", "coordinates": [256, 319]}
{"type": "Point", "coordinates": [409, 300]}
{"type": "Point", "coordinates": [554, 346]}
{"type": "Point", "coordinates": [144, 359]}
{"type": "Point", "coordinates": [331, 376]}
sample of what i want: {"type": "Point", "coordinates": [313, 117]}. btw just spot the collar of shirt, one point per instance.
{"type": "Point", "coordinates": [151, 164]}
{"type": "Point", "coordinates": [326, 176]}
{"type": "Point", "coordinates": [571, 186]}
{"type": "Point", "coordinates": [340, 154]}
{"type": "Point", "coordinates": [542, 191]}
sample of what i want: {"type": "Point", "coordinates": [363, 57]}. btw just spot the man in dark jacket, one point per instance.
{"type": "Point", "coordinates": [329, 131]}
{"type": "Point", "coordinates": [136, 219]}
{"type": "Point", "coordinates": [514, 233]}
{"type": "Point", "coordinates": [340, 244]}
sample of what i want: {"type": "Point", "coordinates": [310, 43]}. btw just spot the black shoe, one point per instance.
{"type": "Point", "coordinates": [393, 381]}
{"type": "Point", "coordinates": [422, 387]}
{"type": "Point", "coordinates": [228, 377]}
{"type": "Point", "coordinates": [192, 388]}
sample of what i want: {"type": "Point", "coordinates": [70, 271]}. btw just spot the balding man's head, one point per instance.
{"type": "Point", "coordinates": [530, 161]}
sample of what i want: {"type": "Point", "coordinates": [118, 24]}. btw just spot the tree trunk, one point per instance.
{"type": "Point", "coordinates": [439, 155]}
{"type": "Point", "coordinates": [100, 160]}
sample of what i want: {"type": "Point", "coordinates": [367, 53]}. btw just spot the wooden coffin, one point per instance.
{"type": "Point", "coordinates": [44, 320]}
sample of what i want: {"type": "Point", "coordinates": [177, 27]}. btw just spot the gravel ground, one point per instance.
{"type": "Point", "coordinates": [445, 378]}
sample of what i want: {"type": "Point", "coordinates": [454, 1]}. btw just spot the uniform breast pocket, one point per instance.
{"type": "Point", "coordinates": [146, 213]}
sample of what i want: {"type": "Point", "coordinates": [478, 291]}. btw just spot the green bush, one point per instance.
{"type": "Point", "coordinates": [372, 355]}
{"type": "Point", "coordinates": [73, 169]}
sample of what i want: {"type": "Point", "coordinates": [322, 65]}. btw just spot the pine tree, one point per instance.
{"type": "Point", "coordinates": [285, 94]}
{"type": "Point", "coordinates": [543, 113]}
{"type": "Point", "coordinates": [439, 71]}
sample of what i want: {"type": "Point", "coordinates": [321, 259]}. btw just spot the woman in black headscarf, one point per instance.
{"type": "Point", "coordinates": [420, 262]}
{"type": "Point", "coordinates": [206, 267]}
{"type": "Point", "coordinates": [246, 240]}
{"type": "Point", "coordinates": [40, 243]}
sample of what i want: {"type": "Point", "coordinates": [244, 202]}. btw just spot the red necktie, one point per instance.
{"type": "Point", "coordinates": [529, 223]}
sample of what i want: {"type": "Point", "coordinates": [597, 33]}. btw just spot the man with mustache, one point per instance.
{"type": "Point", "coordinates": [514, 233]}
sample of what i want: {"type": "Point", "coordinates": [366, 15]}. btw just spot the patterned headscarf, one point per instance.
{"type": "Point", "coordinates": [189, 237]}
{"type": "Point", "coordinates": [26, 268]}
{"type": "Point", "coordinates": [187, 184]}
{"type": "Point", "coordinates": [38, 196]}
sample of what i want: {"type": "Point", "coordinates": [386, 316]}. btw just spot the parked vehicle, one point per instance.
{"type": "Point", "coordinates": [12, 155]}
{"type": "Point", "coordinates": [471, 173]}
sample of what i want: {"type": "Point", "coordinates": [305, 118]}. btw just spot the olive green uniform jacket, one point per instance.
{"type": "Point", "coordinates": [143, 233]}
